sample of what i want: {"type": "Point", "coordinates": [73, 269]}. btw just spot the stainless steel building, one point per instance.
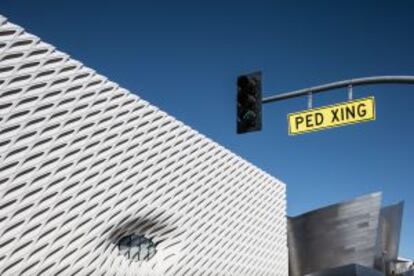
{"type": "Point", "coordinates": [348, 270]}
{"type": "Point", "coordinates": [389, 231]}
{"type": "Point", "coordinates": [353, 232]}
{"type": "Point", "coordinates": [96, 181]}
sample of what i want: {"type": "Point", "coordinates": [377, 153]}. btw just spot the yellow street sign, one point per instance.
{"type": "Point", "coordinates": [340, 114]}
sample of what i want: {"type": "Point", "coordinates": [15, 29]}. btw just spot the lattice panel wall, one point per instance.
{"type": "Point", "coordinates": [84, 162]}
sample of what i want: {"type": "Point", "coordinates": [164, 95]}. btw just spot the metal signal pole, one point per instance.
{"type": "Point", "coordinates": [340, 84]}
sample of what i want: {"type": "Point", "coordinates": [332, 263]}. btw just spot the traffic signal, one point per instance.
{"type": "Point", "coordinates": [249, 102]}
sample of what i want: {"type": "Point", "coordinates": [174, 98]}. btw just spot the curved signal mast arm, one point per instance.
{"type": "Point", "coordinates": [339, 84]}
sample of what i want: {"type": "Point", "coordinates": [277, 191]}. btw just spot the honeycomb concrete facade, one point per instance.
{"type": "Point", "coordinates": [84, 162]}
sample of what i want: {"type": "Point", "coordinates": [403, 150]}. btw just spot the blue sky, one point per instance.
{"type": "Point", "coordinates": [184, 56]}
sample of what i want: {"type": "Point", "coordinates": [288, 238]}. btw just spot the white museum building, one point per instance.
{"type": "Point", "coordinates": [96, 181]}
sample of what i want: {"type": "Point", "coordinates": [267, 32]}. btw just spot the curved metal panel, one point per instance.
{"type": "Point", "coordinates": [389, 236]}
{"type": "Point", "coordinates": [348, 270]}
{"type": "Point", "coordinates": [334, 236]}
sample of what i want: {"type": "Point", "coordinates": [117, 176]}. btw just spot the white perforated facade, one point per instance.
{"type": "Point", "coordinates": [84, 162]}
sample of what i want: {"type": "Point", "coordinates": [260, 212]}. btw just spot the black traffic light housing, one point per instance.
{"type": "Point", "coordinates": [249, 102]}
